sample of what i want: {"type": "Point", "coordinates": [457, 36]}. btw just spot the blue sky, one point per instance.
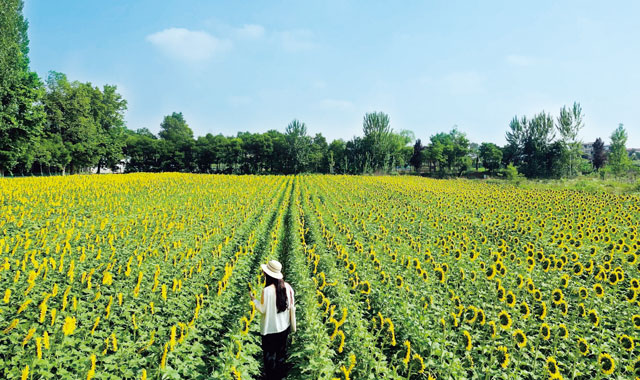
{"type": "Point", "coordinates": [255, 65]}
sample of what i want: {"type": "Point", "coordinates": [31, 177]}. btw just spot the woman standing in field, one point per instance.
{"type": "Point", "coordinates": [278, 318]}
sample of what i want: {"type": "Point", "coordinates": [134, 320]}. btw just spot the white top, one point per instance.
{"type": "Point", "coordinates": [273, 322]}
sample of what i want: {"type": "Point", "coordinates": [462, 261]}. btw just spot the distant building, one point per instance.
{"type": "Point", "coordinates": [587, 150]}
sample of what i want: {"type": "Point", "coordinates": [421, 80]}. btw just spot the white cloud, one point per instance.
{"type": "Point", "coordinates": [250, 31]}
{"type": "Point", "coordinates": [336, 104]}
{"type": "Point", "coordinates": [464, 83]}
{"type": "Point", "coordinates": [296, 40]}
{"type": "Point", "coordinates": [519, 60]}
{"type": "Point", "coordinates": [188, 45]}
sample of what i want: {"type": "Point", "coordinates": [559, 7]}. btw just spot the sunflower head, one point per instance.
{"type": "Point", "coordinates": [636, 321]}
{"type": "Point", "coordinates": [552, 367]}
{"type": "Point", "coordinates": [524, 310]}
{"type": "Point", "coordinates": [466, 339]}
{"type": "Point", "coordinates": [520, 338]}
{"type": "Point", "coordinates": [511, 299]}
{"type": "Point", "coordinates": [503, 356]}
{"type": "Point", "coordinates": [545, 331]}
{"type": "Point", "coordinates": [598, 289]}
{"type": "Point", "coordinates": [557, 296]}
{"type": "Point", "coordinates": [563, 332]}
{"type": "Point", "coordinates": [607, 364]}
{"type": "Point", "coordinates": [627, 342]}
{"type": "Point", "coordinates": [583, 346]}
{"type": "Point", "coordinates": [593, 317]}
{"type": "Point", "coordinates": [504, 319]}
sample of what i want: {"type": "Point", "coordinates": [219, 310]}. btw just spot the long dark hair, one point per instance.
{"type": "Point", "coordinates": [281, 292]}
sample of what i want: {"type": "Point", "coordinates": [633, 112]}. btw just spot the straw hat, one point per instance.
{"type": "Point", "coordinates": [273, 269]}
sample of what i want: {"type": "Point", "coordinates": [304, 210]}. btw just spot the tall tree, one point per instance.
{"type": "Point", "coordinates": [418, 157]}
{"type": "Point", "coordinates": [491, 156]}
{"type": "Point", "coordinates": [108, 108]}
{"type": "Point", "coordinates": [377, 138]}
{"type": "Point", "coordinates": [570, 122]}
{"type": "Point", "coordinates": [599, 154]}
{"type": "Point", "coordinates": [21, 91]}
{"type": "Point", "coordinates": [299, 147]}
{"type": "Point", "coordinates": [618, 159]}
{"type": "Point", "coordinates": [177, 149]}
{"type": "Point", "coordinates": [71, 122]}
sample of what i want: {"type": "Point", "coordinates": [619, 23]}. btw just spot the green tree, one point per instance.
{"type": "Point", "coordinates": [491, 156]}
{"type": "Point", "coordinates": [178, 144]}
{"type": "Point", "coordinates": [570, 122]}
{"type": "Point", "coordinates": [599, 154]}
{"type": "Point", "coordinates": [618, 159]}
{"type": "Point", "coordinates": [337, 156]}
{"type": "Point", "coordinates": [418, 155]}
{"type": "Point", "coordinates": [299, 147]}
{"type": "Point", "coordinates": [71, 122]}
{"type": "Point", "coordinates": [108, 108]}
{"type": "Point", "coordinates": [377, 139]}
{"type": "Point", "coordinates": [318, 154]}
{"type": "Point", "coordinates": [141, 151]}
{"type": "Point", "coordinates": [21, 112]}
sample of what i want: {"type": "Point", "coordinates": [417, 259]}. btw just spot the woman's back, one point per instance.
{"type": "Point", "coordinates": [273, 322]}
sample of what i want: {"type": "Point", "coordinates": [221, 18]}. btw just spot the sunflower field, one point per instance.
{"type": "Point", "coordinates": [146, 276]}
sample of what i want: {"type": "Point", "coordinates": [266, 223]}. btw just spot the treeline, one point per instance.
{"type": "Point", "coordinates": [57, 126]}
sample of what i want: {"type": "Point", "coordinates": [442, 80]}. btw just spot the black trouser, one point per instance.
{"type": "Point", "coordinates": [274, 352]}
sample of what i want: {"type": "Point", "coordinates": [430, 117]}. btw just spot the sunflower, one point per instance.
{"type": "Point", "coordinates": [583, 346]}
{"type": "Point", "coordinates": [471, 314]}
{"type": "Point", "coordinates": [511, 299]}
{"type": "Point", "coordinates": [583, 292]}
{"type": "Point", "coordinates": [519, 281]}
{"type": "Point", "coordinates": [627, 342]}
{"type": "Point", "coordinates": [631, 295]}
{"type": "Point", "coordinates": [564, 280]}
{"type": "Point", "coordinates": [541, 310]}
{"type": "Point", "coordinates": [598, 289]}
{"type": "Point", "coordinates": [563, 332]}
{"type": "Point", "coordinates": [564, 307]}
{"type": "Point", "coordinates": [557, 296]}
{"type": "Point", "coordinates": [524, 310]}
{"type": "Point", "coordinates": [636, 321]}
{"type": "Point", "coordinates": [545, 331]}
{"type": "Point", "coordinates": [481, 317]}
{"type": "Point", "coordinates": [491, 272]}
{"type": "Point", "coordinates": [593, 317]}
{"type": "Point", "coordinates": [607, 364]}
{"type": "Point", "coordinates": [578, 269]}
{"type": "Point", "coordinates": [537, 295]}
{"type": "Point", "coordinates": [552, 367]}
{"type": "Point", "coordinates": [439, 274]}
{"type": "Point", "coordinates": [505, 320]}
{"type": "Point", "coordinates": [467, 340]}
{"type": "Point", "coordinates": [520, 338]}
{"type": "Point", "coordinates": [635, 283]}
{"type": "Point", "coordinates": [501, 293]}
{"type": "Point", "coordinates": [503, 356]}
{"type": "Point", "coordinates": [582, 311]}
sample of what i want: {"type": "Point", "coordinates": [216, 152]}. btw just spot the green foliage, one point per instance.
{"type": "Point", "coordinates": [491, 156]}
{"type": "Point", "coordinates": [511, 173]}
{"type": "Point", "coordinates": [21, 112]}
{"type": "Point", "coordinates": [618, 159]}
